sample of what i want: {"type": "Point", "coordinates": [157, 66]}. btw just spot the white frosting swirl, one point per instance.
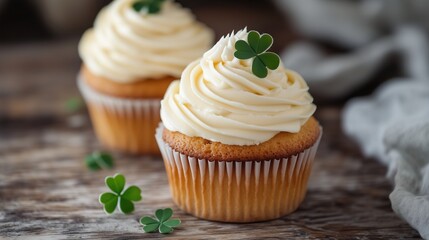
{"type": "Point", "coordinates": [126, 45]}
{"type": "Point", "coordinates": [220, 99]}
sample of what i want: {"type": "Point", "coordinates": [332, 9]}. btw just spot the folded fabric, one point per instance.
{"type": "Point", "coordinates": [336, 76]}
{"type": "Point", "coordinates": [341, 22]}
{"type": "Point", "coordinates": [351, 23]}
{"type": "Point", "coordinates": [409, 150]}
{"type": "Point", "coordinates": [393, 126]}
{"type": "Point", "coordinates": [331, 77]}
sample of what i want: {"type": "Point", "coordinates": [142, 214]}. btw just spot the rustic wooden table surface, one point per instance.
{"type": "Point", "coordinates": [47, 192]}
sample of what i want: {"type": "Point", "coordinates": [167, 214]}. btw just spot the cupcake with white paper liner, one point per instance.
{"type": "Point", "coordinates": [131, 55]}
{"type": "Point", "coordinates": [238, 137]}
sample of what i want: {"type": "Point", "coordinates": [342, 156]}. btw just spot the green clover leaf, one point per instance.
{"type": "Point", "coordinates": [161, 223]}
{"type": "Point", "coordinates": [99, 160]}
{"type": "Point", "coordinates": [125, 198]}
{"type": "Point", "coordinates": [270, 60]}
{"type": "Point", "coordinates": [150, 6]}
{"type": "Point", "coordinates": [244, 51]}
{"type": "Point", "coordinates": [110, 201]}
{"type": "Point", "coordinates": [74, 104]}
{"type": "Point", "coordinates": [256, 47]}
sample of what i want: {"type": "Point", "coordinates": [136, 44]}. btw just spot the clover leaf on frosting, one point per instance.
{"type": "Point", "coordinates": [256, 47]}
{"type": "Point", "coordinates": [150, 6]}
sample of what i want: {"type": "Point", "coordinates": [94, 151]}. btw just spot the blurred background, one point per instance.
{"type": "Point", "coordinates": [323, 40]}
{"type": "Point", "coordinates": [38, 47]}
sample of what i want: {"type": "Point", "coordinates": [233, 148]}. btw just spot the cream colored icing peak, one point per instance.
{"type": "Point", "coordinates": [219, 98]}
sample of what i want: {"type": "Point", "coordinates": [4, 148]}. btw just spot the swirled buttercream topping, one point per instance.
{"type": "Point", "coordinates": [219, 99]}
{"type": "Point", "coordinates": [126, 46]}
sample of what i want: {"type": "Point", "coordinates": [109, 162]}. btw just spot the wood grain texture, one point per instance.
{"type": "Point", "coordinates": [47, 192]}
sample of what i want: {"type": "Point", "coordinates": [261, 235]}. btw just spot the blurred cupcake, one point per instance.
{"type": "Point", "coordinates": [238, 137]}
{"type": "Point", "coordinates": [134, 51]}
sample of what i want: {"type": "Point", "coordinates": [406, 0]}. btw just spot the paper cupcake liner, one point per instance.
{"type": "Point", "coordinates": [123, 124]}
{"type": "Point", "coordinates": [237, 191]}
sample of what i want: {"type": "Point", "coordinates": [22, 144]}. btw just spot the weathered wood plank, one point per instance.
{"type": "Point", "coordinates": [37, 79]}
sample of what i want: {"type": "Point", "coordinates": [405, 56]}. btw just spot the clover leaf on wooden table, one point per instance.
{"type": "Point", "coordinates": [256, 47]}
{"type": "Point", "coordinates": [149, 6]}
{"type": "Point", "coordinates": [161, 223]}
{"type": "Point", "coordinates": [99, 160]}
{"type": "Point", "coordinates": [119, 198]}
{"type": "Point", "coordinates": [74, 104]}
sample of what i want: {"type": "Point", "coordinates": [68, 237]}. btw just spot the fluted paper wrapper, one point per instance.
{"type": "Point", "coordinates": [237, 191]}
{"type": "Point", "coordinates": [123, 124]}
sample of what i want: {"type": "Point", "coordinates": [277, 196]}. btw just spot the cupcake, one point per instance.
{"type": "Point", "coordinates": [238, 137]}
{"type": "Point", "coordinates": [131, 55]}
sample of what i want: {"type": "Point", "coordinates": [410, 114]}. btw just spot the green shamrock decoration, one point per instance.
{"type": "Point", "coordinates": [151, 6]}
{"type": "Point", "coordinates": [74, 104]}
{"type": "Point", "coordinates": [99, 160]}
{"type": "Point", "coordinates": [162, 223]}
{"type": "Point", "coordinates": [256, 47]}
{"type": "Point", "coordinates": [119, 198]}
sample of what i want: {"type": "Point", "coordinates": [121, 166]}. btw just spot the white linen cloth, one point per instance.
{"type": "Point", "coordinates": [331, 77]}
{"type": "Point", "coordinates": [391, 125]}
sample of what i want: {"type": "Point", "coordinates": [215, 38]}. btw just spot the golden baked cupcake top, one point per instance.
{"type": "Point", "coordinates": [220, 97]}
{"type": "Point", "coordinates": [128, 44]}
